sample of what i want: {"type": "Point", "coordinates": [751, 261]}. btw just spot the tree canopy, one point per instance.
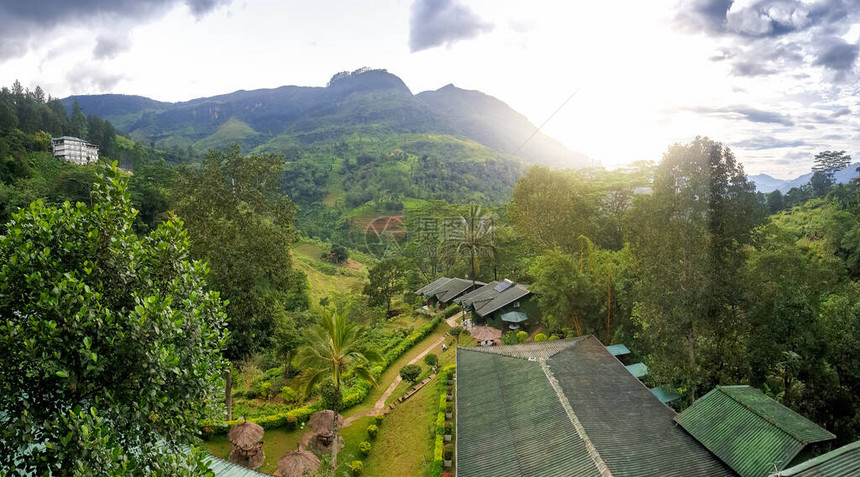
{"type": "Point", "coordinates": [111, 342]}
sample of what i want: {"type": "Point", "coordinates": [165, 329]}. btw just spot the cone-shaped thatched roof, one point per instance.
{"type": "Point", "coordinates": [246, 435]}
{"type": "Point", "coordinates": [482, 333]}
{"type": "Point", "coordinates": [298, 463]}
{"type": "Point", "coordinates": [322, 423]}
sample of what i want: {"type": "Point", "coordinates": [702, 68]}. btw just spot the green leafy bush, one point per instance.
{"type": "Point", "coordinates": [431, 359]}
{"type": "Point", "coordinates": [410, 372]}
{"type": "Point", "coordinates": [372, 430]}
{"type": "Point", "coordinates": [522, 336]}
{"type": "Point", "coordinates": [510, 338]}
{"type": "Point", "coordinates": [448, 452]}
{"type": "Point", "coordinates": [448, 427]}
{"type": "Point", "coordinates": [265, 389]}
{"type": "Point", "coordinates": [540, 337]}
{"type": "Point", "coordinates": [356, 467]}
{"type": "Point", "coordinates": [378, 418]}
{"type": "Point", "coordinates": [288, 394]}
{"type": "Point", "coordinates": [552, 338]}
{"type": "Point", "coordinates": [451, 311]}
{"type": "Point", "coordinates": [364, 448]}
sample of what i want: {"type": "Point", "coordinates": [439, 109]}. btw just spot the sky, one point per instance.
{"type": "Point", "coordinates": [777, 81]}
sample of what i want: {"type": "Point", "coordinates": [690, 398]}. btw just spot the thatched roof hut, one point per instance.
{"type": "Point", "coordinates": [298, 463]}
{"type": "Point", "coordinates": [252, 461]}
{"type": "Point", "coordinates": [246, 437]}
{"type": "Point", "coordinates": [485, 333]}
{"type": "Point", "coordinates": [322, 423]}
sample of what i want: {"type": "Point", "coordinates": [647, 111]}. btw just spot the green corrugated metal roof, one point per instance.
{"type": "Point", "coordinates": [500, 300]}
{"type": "Point", "coordinates": [665, 393]}
{"type": "Point", "coordinates": [637, 369]}
{"type": "Point", "coordinates": [750, 432]}
{"type": "Point", "coordinates": [841, 462]}
{"type": "Point", "coordinates": [617, 350]}
{"type": "Point", "coordinates": [514, 317]}
{"type": "Point", "coordinates": [223, 468]}
{"type": "Point", "coordinates": [631, 429]}
{"type": "Point", "coordinates": [511, 423]}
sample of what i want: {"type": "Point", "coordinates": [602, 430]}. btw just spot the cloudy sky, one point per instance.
{"type": "Point", "coordinates": [775, 80]}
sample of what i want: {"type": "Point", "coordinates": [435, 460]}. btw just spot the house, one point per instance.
{"type": "Point", "coordinates": [500, 304]}
{"type": "Point", "coordinates": [842, 462]}
{"type": "Point", "coordinates": [74, 150]}
{"type": "Point", "coordinates": [570, 407]}
{"type": "Point", "coordinates": [446, 290]}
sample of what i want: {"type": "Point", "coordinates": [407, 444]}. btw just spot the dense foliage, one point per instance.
{"type": "Point", "coordinates": [111, 343]}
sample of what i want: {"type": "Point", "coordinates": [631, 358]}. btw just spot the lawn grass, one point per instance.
{"type": "Point", "coordinates": [348, 278]}
{"type": "Point", "coordinates": [404, 446]}
{"type": "Point", "coordinates": [394, 370]}
{"type": "Point", "coordinates": [276, 443]}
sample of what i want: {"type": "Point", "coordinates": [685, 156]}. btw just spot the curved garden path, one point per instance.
{"type": "Point", "coordinates": [379, 406]}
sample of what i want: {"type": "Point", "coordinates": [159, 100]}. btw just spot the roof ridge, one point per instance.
{"type": "Point", "coordinates": [547, 346]}
{"type": "Point", "coordinates": [768, 419]}
{"type": "Point", "coordinates": [574, 420]}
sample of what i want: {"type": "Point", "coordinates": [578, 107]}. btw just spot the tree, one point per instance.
{"type": "Point", "coordinates": [385, 281]}
{"type": "Point", "coordinates": [243, 227]}
{"type": "Point", "coordinates": [775, 202]}
{"type": "Point", "coordinates": [431, 360]}
{"type": "Point", "coordinates": [410, 373]}
{"type": "Point", "coordinates": [456, 331]}
{"type": "Point", "coordinates": [286, 341]}
{"type": "Point", "coordinates": [688, 247]}
{"type": "Point", "coordinates": [332, 349]}
{"type": "Point", "coordinates": [829, 162]}
{"type": "Point", "coordinates": [474, 237]}
{"type": "Point", "coordinates": [566, 290]}
{"type": "Point", "coordinates": [78, 122]}
{"type": "Point", "coordinates": [820, 183]}
{"type": "Point", "coordinates": [111, 342]}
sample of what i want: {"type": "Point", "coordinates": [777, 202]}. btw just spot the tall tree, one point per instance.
{"type": "Point", "coordinates": [829, 162]}
{"type": "Point", "coordinates": [385, 280]}
{"type": "Point", "coordinates": [333, 349]}
{"type": "Point", "coordinates": [688, 243]}
{"type": "Point", "coordinates": [111, 343]}
{"type": "Point", "coordinates": [243, 227]}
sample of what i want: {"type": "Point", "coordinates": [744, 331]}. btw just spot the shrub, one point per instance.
{"type": "Point", "coordinates": [265, 389]}
{"type": "Point", "coordinates": [510, 338]}
{"type": "Point", "coordinates": [540, 337]}
{"type": "Point", "coordinates": [449, 406]}
{"type": "Point", "coordinates": [522, 336]}
{"type": "Point", "coordinates": [552, 338]}
{"type": "Point", "coordinates": [379, 418]}
{"type": "Point", "coordinates": [410, 372]}
{"type": "Point", "coordinates": [364, 448]}
{"type": "Point", "coordinates": [431, 360]}
{"type": "Point", "coordinates": [356, 467]}
{"type": "Point", "coordinates": [288, 394]}
{"type": "Point", "coordinates": [448, 452]}
{"type": "Point", "coordinates": [451, 311]}
{"type": "Point", "coordinates": [448, 427]}
{"type": "Point", "coordinates": [372, 430]}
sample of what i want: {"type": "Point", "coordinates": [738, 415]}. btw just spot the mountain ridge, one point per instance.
{"type": "Point", "coordinates": [369, 102]}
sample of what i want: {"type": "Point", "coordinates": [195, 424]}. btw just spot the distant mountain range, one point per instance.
{"type": "Point", "coordinates": [366, 102]}
{"type": "Point", "coordinates": [766, 184]}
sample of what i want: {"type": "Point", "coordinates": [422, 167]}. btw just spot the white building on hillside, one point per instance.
{"type": "Point", "coordinates": [74, 150]}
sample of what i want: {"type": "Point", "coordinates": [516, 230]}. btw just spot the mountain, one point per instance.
{"type": "Point", "coordinates": [367, 103]}
{"type": "Point", "coordinates": [766, 184]}
{"type": "Point", "coordinates": [492, 122]}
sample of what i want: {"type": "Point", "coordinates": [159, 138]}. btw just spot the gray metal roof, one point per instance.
{"type": "Point", "coordinates": [516, 404]}
{"type": "Point", "coordinates": [476, 294]}
{"type": "Point", "coordinates": [427, 290]}
{"type": "Point", "coordinates": [452, 289]}
{"type": "Point", "coordinates": [500, 300]}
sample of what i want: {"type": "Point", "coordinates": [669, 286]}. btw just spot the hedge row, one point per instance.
{"type": "Point", "coordinates": [436, 465]}
{"type": "Point", "coordinates": [408, 342]}
{"type": "Point", "coordinates": [451, 311]}
{"type": "Point", "coordinates": [351, 397]}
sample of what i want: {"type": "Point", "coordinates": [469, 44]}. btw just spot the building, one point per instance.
{"type": "Point", "coordinates": [503, 305]}
{"type": "Point", "coordinates": [570, 407]}
{"type": "Point", "coordinates": [74, 150]}
{"type": "Point", "coordinates": [445, 290]}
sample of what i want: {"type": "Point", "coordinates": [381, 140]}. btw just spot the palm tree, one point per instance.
{"type": "Point", "coordinates": [473, 235]}
{"type": "Point", "coordinates": [331, 350]}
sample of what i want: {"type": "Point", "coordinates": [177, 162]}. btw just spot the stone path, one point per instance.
{"type": "Point", "coordinates": [379, 407]}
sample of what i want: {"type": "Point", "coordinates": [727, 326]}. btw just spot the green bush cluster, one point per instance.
{"type": "Point", "coordinates": [290, 419]}
{"type": "Point", "coordinates": [540, 337]}
{"type": "Point", "coordinates": [408, 342]}
{"type": "Point", "coordinates": [372, 431]}
{"type": "Point", "coordinates": [364, 448]}
{"type": "Point", "coordinates": [356, 467]}
{"type": "Point", "coordinates": [436, 465]}
{"type": "Point", "coordinates": [451, 311]}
